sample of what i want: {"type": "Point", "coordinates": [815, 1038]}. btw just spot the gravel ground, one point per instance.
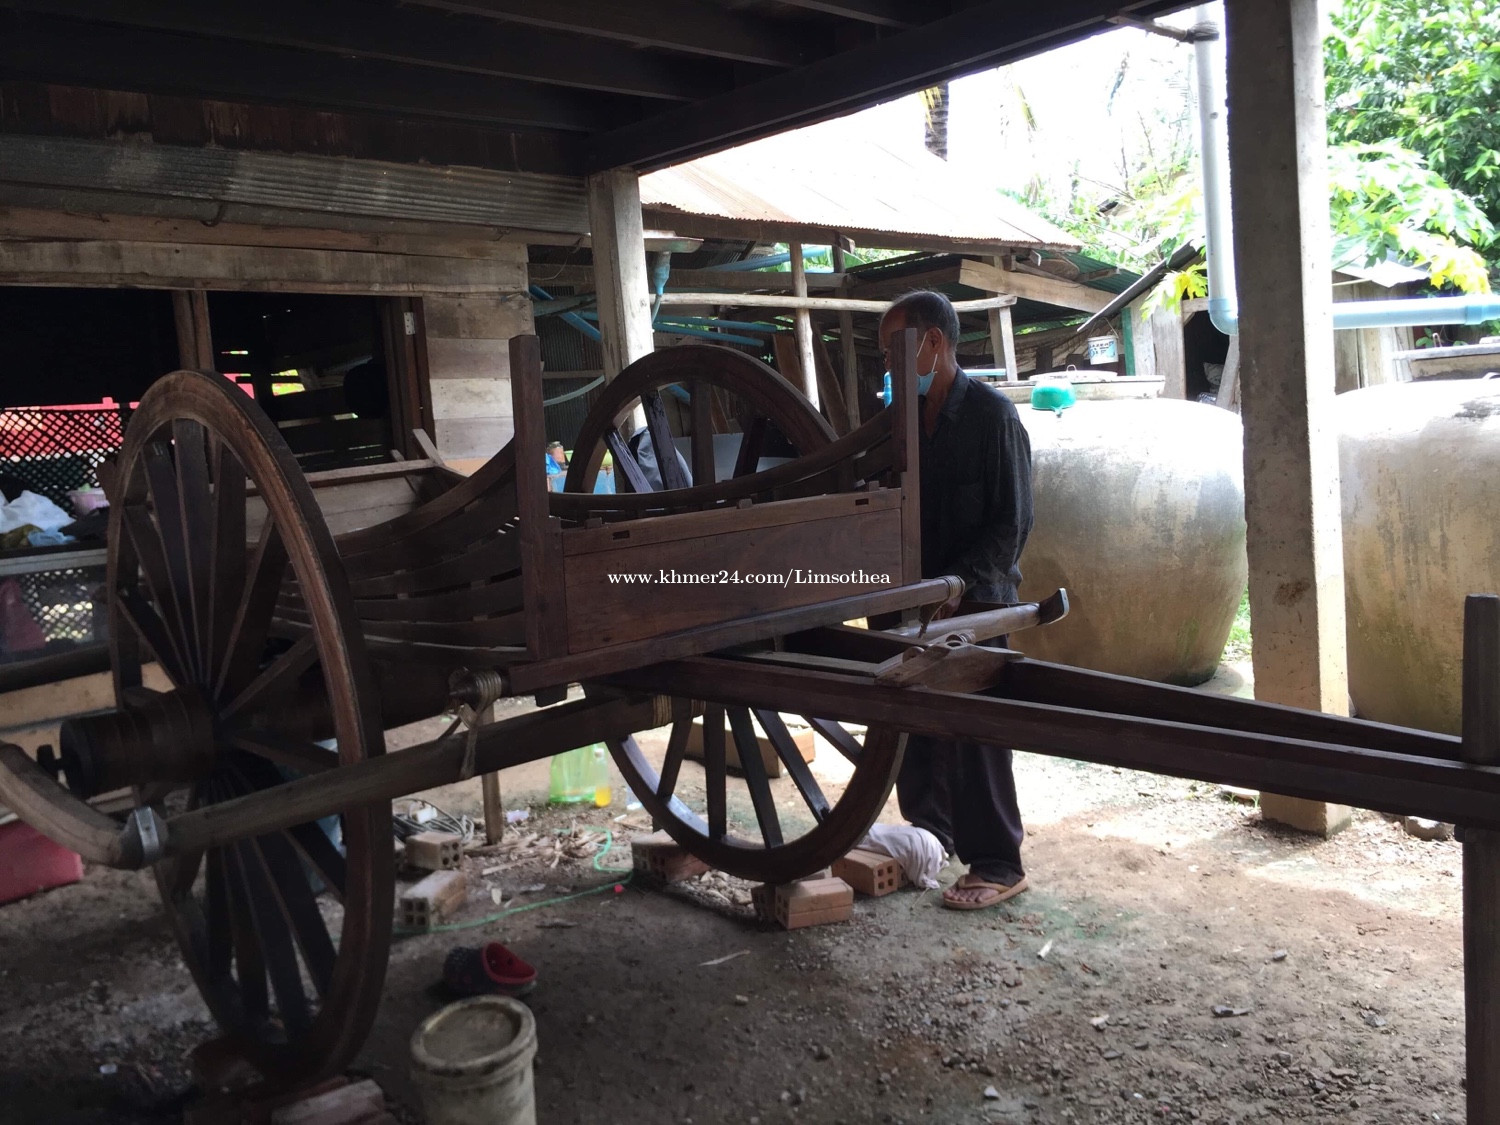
{"type": "Point", "coordinates": [1176, 960]}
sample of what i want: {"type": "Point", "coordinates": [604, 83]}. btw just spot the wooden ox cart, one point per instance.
{"type": "Point", "coordinates": [287, 612]}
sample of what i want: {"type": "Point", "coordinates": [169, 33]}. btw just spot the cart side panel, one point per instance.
{"type": "Point", "coordinates": [651, 577]}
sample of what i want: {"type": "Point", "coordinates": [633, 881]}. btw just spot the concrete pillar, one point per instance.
{"type": "Point", "coordinates": [1278, 166]}
{"type": "Point", "coordinates": [620, 278]}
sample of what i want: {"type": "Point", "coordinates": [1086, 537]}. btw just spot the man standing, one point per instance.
{"type": "Point", "coordinates": [975, 463]}
{"type": "Point", "coordinates": [557, 466]}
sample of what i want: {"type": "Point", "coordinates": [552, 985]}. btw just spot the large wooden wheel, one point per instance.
{"type": "Point", "coordinates": [785, 844]}
{"type": "Point", "coordinates": [723, 389]}
{"type": "Point", "coordinates": [292, 974]}
{"type": "Point", "coordinates": [728, 391]}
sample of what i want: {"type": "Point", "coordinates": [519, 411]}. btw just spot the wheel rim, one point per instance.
{"type": "Point", "coordinates": [782, 853]}
{"type": "Point", "coordinates": [293, 980]}
{"type": "Point", "coordinates": [757, 389]}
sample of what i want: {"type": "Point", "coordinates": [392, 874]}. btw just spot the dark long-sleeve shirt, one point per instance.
{"type": "Point", "coordinates": [976, 491]}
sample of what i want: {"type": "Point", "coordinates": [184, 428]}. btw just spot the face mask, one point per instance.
{"type": "Point", "coordinates": [924, 382]}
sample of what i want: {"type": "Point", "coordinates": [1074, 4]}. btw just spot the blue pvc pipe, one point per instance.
{"type": "Point", "coordinates": [570, 318]}
{"type": "Point", "coordinates": [752, 264]}
{"type": "Point", "coordinates": [1474, 308]}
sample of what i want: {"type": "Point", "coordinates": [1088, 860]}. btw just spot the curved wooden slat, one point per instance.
{"type": "Point", "coordinates": [448, 536]}
{"type": "Point", "coordinates": [490, 477]}
{"type": "Point", "coordinates": [493, 558]}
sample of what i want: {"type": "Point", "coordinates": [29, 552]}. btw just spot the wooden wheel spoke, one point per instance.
{"type": "Point", "coordinates": [786, 749]}
{"type": "Point", "coordinates": [166, 500]}
{"type": "Point", "coordinates": [229, 549]}
{"type": "Point", "coordinates": [703, 433]}
{"type": "Point", "coordinates": [151, 558]}
{"type": "Point", "coordinates": [293, 753]}
{"type": "Point", "coordinates": [275, 678]}
{"type": "Point", "coordinates": [671, 766]}
{"type": "Point", "coordinates": [751, 443]}
{"type": "Point", "coordinates": [182, 871]}
{"type": "Point", "coordinates": [668, 467]}
{"type": "Point", "coordinates": [249, 958]}
{"type": "Point", "coordinates": [275, 938]}
{"type": "Point", "coordinates": [141, 618]}
{"type": "Point", "coordinates": [715, 776]}
{"type": "Point", "coordinates": [288, 879]}
{"type": "Point", "coordinates": [314, 846]}
{"type": "Point", "coordinates": [190, 442]}
{"type": "Point", "coordinates": [251, 624]}
{"type": "Point", "coordinates": [754, 768]}
{"type": "Point", "coordinates": [840, 739]}
{"type": "Point", "coordinates": [309, 839]}
{"type": "Point", "coordinates": [627, 468]}
{"type": "Point", "coordinates": [218, 919]}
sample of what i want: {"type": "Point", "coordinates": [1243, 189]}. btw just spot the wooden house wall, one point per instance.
{"type": "Point", "coordinates": [471, 293]}
{"type": "Point", "coordinates": [468, 365]}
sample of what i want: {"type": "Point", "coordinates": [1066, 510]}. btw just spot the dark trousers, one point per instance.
{"type": "Point", "coordinates": [964, 793]}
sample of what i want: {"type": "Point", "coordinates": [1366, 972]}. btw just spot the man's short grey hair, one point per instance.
{"type": "Point", "coordinates": [925, 309]}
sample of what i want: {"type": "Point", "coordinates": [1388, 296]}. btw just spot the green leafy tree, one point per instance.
{"type": "Point", "coordinates": [1425, 74]}
{"type": "Point", "coordinates": [1386, 203]}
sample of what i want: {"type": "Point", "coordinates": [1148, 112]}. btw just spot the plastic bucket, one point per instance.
{"type": "Point", "coordinates": [472, 1062]}
{"type": "Point", "coordinates": [1103, 349]}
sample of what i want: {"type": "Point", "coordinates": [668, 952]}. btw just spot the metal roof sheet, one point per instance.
{"type": "Point", "coordinates": [837, 177]}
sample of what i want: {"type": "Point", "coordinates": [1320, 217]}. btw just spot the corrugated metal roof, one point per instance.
{"type": "Point", "coordinates": [836, 178]}
{"type": "Point", "coordinates": [337, 185]}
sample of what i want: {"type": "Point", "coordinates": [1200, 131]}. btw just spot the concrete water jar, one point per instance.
{"type": "Point", "coordinates": [1420, 464]}
{"type": "Point", "coordinates": [1140, 513]}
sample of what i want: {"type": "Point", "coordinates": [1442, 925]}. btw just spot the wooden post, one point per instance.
{"type": "Point", "coordinates": [846, 341]}
{"type": "Point", "coordinates": [620, 277]}
{"type": "Point", "coordinates": [489, 788]}
{"type": "Point", "coordinates": [1003, 342]}
{"type": "Point", "coordinates": [195, 340]}
{"type": "Point", "coordinates": [1481, 746]}
{"type": "Point", "coordinates": [1003, 335]}
{"type": "Point", "coordinates": [1142, 345]}
{"type": "Point", "coordinates": [1229, 381]}
{"type": "Point", "coordinates": [540, 532]}
{"type": "Point", "coordinates": [1277, 146]}
{"type": "Point", "coordinates": [1167, 347]}
{"type": "Point", "coordinates": [802, 321]}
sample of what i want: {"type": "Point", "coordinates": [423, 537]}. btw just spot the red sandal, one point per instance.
{"type": "Point", "coordinates": [470, 971]}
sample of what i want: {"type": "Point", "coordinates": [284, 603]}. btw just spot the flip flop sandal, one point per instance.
{"type": "Point", "coordinates": [470, 971]}
{"type": "Point", "coordinates": [970, 883]}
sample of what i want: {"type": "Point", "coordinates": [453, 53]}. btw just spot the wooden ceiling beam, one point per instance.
{"type": "Point", "coordinates": [675, 25]}
{"type": "Point", "coordinates": [547, 274]}
{"type": "Point", "coordinates": [881, 13]}
{"type": "Point", "coordinates": [93, 55]}
{"type": "Point", "coordinates": [988, 34]}
{"type": "Point", "coordinates": [413, 37]}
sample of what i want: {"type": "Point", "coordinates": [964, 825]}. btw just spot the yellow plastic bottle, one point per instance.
{"type": "Point", "coordinates": [602, 794]}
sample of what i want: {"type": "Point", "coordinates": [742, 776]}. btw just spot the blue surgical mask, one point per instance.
{"type": "Point", "coordinates": [924, 383]}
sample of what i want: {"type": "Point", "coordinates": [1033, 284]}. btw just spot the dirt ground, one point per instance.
{"type": "Point", "coordinates": [1092, 998]}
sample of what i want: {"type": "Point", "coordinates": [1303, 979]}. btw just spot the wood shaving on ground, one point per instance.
{"type": "Point", "coordinates": [548, 848]}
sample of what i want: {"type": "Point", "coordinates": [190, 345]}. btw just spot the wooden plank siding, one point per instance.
{"type": "Point", "coordinates": [468, 365]}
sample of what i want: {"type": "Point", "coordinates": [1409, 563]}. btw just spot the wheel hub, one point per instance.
{"type": "Point", "coordinates": [168, 739]}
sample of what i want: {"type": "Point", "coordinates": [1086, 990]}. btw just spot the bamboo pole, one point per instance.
{"type": "Point", "coordinates": [802, 322]}
{"type": "Point", "coordinates": [828, 304]}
